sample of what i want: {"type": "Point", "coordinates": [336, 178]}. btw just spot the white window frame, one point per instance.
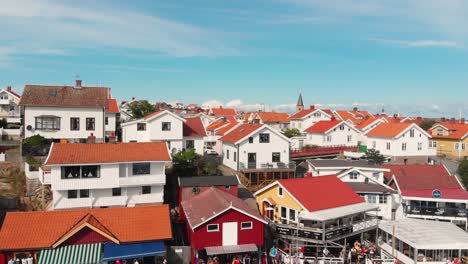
{"type": "Point", "coordinates": [350, 138]}
{"type": "Point", "coordinates": [403, 146]}
{"type": "Point", "coordinates": [247, 228]}
{"type": "Point", "coordinates": [388, 145]}
{"type": "Point", "coordinates": [280, 192]}
{"type": "Point", "coordinates": [354, 175]}
{"type": "Point", "coordinates": [375, 198]}
{"type": "Point", "coordinates": [419, 146]}
{"type": "Point", "coordinates": [210, 231]}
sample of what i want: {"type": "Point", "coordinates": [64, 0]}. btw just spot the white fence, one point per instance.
{"type": "Point", "coordinates": [2, 157]}
{"type": "Point", "coordinates": [10, 132]}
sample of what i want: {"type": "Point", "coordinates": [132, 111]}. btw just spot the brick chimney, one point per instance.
{"type": "Point", "coordinates": [312, 107]}
{"type": "Point", "coordinates": [91, 139]}
{"type": "Point", "coordinates": [8, 88]}
{"type": "Point", "coordinates": [78, 84]}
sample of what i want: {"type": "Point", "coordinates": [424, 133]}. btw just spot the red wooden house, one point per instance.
{"type": "Point", "coordinates": [86, 236]}
{"type": "Point", "coordinates": [221, 224]}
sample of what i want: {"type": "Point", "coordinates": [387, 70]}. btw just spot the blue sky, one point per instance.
{"type": "Point", "coordinates": [409, 56]}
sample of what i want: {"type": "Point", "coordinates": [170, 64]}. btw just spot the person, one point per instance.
{"type": "Point", "coordinates": [11, 261]}
{"type": "Point", "coordinates": [263, 258]}
{"type": "Point", "coordinates": [246, 259]}
{"type": "Point", "coordinates": [215, 260]}
{"type": "Point", "coordinates": [273, 253]}
{"type": "Point", "coordinates": [325, 252]}
{"type": "Point", "coordinates": [210, 261]}
{"type": "Point", "coordinates": [235, 260]}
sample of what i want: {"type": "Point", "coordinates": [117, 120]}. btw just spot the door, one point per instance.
{"type": "Point", "coordinates": [252, 160]}
{"type": "Point", "coordinates": [229, 233]}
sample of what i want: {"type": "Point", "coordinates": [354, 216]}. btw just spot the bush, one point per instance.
{"type": "Point", "coordinates": [309, 146]}
{"type": "Point", "coordinates": [36, 146]}
{"type": "Point", "coordinates": [36, 140]}
{"type": "Point", "coordinates": [3, 123]}
{"type": "Point", "coordinates": [291, 132]}
{"type": "Point", "coordinates": [463, 172]}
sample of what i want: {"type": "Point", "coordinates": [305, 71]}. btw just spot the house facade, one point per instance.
{"type": "Point", "coordinates": [307, 117]}
{"type": "Point", "coordinates": [194, 133]}
{"type": "Point", "coordinates": [106, 175]}
{"type": "Point", "coordinates": [72, 113]}
{"type": "Point", "coordinates": [158, 126]}
{"type": "Point", "coordinates": [110, 120]}
{"type": "Point", "coordinates": [276, 120]}
{"type": "Point", "coordinates": [450, 139]}
{"type": "Point", "coordinates": [332, 133]}
{"type": "Point", "coordinates": [9, 106]}
{"type": "Point", "coordinates": [401, 142]}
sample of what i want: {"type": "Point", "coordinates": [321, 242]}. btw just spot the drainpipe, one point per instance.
{"type": "Point", "coordinates": [237, 158]}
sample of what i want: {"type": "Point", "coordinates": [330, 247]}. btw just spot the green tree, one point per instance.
{"type": "Point", "coordinates": [426, 124]}
{"type": "Point", "coordinates": [463, 172]}
{"type": "Point", "coordinates": [375, 156]}
{"type": "Point", "coordinates": [291, 132]}
{"type": "Point", "coordinates": [140, 109]}
{"type": "Point", "coordinates": [185, 162]}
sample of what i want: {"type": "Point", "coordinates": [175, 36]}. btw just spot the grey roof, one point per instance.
{"type": "Point", "coordinates": [362, 187]}
{"type": "Point", "coordinates": [299, 101]}
{"type": "Point", "coordinates": [342, 163]}
{"type": "Point", "coordinates": [208, 181]}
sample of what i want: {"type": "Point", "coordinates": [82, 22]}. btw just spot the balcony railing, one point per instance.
{"type": "Point", "coordinates": [319, 151]}
{"type": "Point", "coordinates": [4, 101]}
{"type": "Point", "coordinates": [143, 180]}
{"type": "Point", "coordinates": [44, 176]}
{"type": "Point", "coordinates": [13, 119]}
{"type": "Point", "coordinates": [268, 166]}
{"type": "Point", "coordinates": [437, 211]}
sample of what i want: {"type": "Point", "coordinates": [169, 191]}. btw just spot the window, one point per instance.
{"type": "Point", "coordinates": [141, 168]}
{"type": "Point", "coordinates": [189, 144]}
{"type": "Point", "coordinates": [350, 137]}
{"type": "Point", "coordinates": [372, 199]}
{"type": "Point", "coordinates": [388, 145]}
{"type": "Point", "coordinates": [419, 146]}
{"type": "Point", "coordinates": [280, 191]}
{"type": "Point", "coordinates": [145, 189]}
{"type": "Point", "coordinates": [250, 139]}
{"type": "Point", "coordinates": [84, 193]}
{"type": "Point", "coordinates": [76, 172]}
{"type": "Point", "coordinates": [292, 215]}
{"type": "Point", "coordinates": [382, 199]}
{"type": "Point", "coordinates": [74, 123]}
{"type": "Point", "coordinates": [463, 146]}
{"type": "Point", "coordinates": [329, 138]}
{"type": "Point", "coordinates": [235, 156]}
{"type": "Point", "coordinates": [141, 126]}
{"type": "Point", "coordinates": [166, 126]}
{"type": "Point", "coordinates": [212, 228]}
{"type": "Point", "coordinates": [168, 144]}
{"type": "Point", "coordinates": [375, 174]}
{"type": "Point", "coordinates": [89, 171]}
{"type": "Point", "coordinates": [246, 225]}
{"type": "Point", "coordinates": [440, 132]}
{"type": "Point", "coordinates": [47, 123]}
{"type": "Point", "coordinates": [71, 172]}
{"type": "Point", "coordinates": [342, 127]}
{"type": "Point", "coordinates": [106, 120]}
{"type": "Point", "coordinates": [433, 144]}
{"type": "Point", "coordinates": [227, 154]}
{"type": "Point", "coordinates": [90, 123]}
{"type": "Point", "coordinates": [354, 175]}
{"type": "Point", "coordinates": [264, 138]}
{"type": "Point", "coordinates": [403, 146]}
{"type": "Point", "coordinates": [411, 132]}
{"type": "Point", "coordinates": [116, 191]}
{"type": "Point", "coordinates": [276, 157]}
{"type": "Point", "coordinates": [284, 212]}
{"type": "Point", "coordinates": [457, 146]}
{"type": "Point", "coordinates": [72, 194]}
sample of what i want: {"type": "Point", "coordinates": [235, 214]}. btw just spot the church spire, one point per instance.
{"type": "Point", "coordinates": [300, 104]}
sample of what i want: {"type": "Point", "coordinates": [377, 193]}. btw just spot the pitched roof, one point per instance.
{"type": "Point", "coordinates": [388, 130]}
{"type": "Point", "coordinates": [347, 115]}
{"type": "Point", "coordinates": [153, 114]}
{"type": "Point", "coordinates": [319, 193]}
{"type": "Point", "coordinates": [81, 153]}
{"type": "Point", "coordinates": [9, 90]}
{"type": "Point", "coordinates": [240, 132]}
{"type": "Point", "coordinates": [66, 96]}
{"type": "Point", "coordinates": [274, 117]}
{"type": "Point", "coordinates": [299, 100]}
{"type": "Point", "coordinates": [362, 187]}
{"type": "Point", "coordinates": [421, 177]}
{"type": "Point", "coordinates": [224, 111]}
{"type": "Point", "coordinates": [203, 207]}
{"type": "Point", "coordinates": [215, 125]}
{"type": "Point", "coordinates": [322, 127]}
{"type": "Point", "coordinates": [341, 163]}
{"type": "Point", "coordinates": [112, 106]}
{"type": "Point", "coordinates": [223, 130]}
{"type": "Point", "coordinates": [193, 127]}
{"type": "Point", "coordinates": [302, 113]}
{"type": "Point", "coordinates": [42, 229]}
{"type": "Point", "coordinates": [366, 122]}
{"type": "Point", "coordinates": [208, 181]}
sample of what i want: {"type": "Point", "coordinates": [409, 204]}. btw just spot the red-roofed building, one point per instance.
{"type": "Point", "coordinates": [9, 107]}
{"type": "Point", "coordinates": [430, 192]}
{"type": "Point", "coordinates": [223, 112]}
{"type": "Point", "coordinates": [106, 175]}
{"type": "Point", "coordinates": [221, 224]}
{"type": "Point", "coordinates": [451, 139]}
{"type": "Point", "coordinates": [110, 120]}
{"type": "Point", "coordinates": [276, 120]}
{"type": "Point", "coordinates": [194, 134]}
{"type": "Point", "coordinates": [217, 129]}
{"type": "Point", "coordinates": [317, 203]}
{"type": "Point", "coordinates": [401, 142]}
{"type": "Point", "coordinates": [332, 133]}
{"type": "Point", "coordinates": [307, 117]}
{"type": "Point", "coordinates": [89, 234]}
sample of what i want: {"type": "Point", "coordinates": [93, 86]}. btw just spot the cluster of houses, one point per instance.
{"type": "Point", "coordinates": [110, 193]}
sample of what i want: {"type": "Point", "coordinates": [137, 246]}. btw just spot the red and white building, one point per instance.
{"type": "Point", "coordinates": [110, 119]}
{"type": "Point", "coordinates": [305, 118]}
{"type": "Point", "coordinates": [220, 224]}
{"type": "Point", "coordinates": [429, 192]}
{"type": "Point", "coordinates": [276, 120]}
{"type": "Point", "coordinates": [222, 112]}
{"type": "Point", "coordinates": [194, 134]}
{"type": "Point", "coordinates": [332, 133]}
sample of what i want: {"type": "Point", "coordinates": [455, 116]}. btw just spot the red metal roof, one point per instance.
{"type": "Point", "coordinates": [41, 229]}
{"type": "Point", "coordinates": [320, 193]}
{"type": "Point", "coordinates": [112, 106]}
{"type": "Point", "coordinates": [388, 130]}
{"type": "Point", "coordinates": [240, 132]}
{"type": "Point", "coordinates": [323, 126]}
{"type": "Point", "coordinates": [193, 127]}
{"type": "Point", "coordinates": [201, 208]}
{"type": "Point", "coordinates": [82, 153]}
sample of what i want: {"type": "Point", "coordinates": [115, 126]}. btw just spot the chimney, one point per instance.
{"type": "Point", "coordinates": [462, 120]}
{"type": "Point", "coordinates": [312, 107]}
{"type": "Point", "coordinates": [91, 139]}
{"type": "Point", "coordinates": [443, 119]}
{"type": "Point", "coordinates": [78, 84]}
{"type": "Point", "coordinates": [355, 108]}
{"type": "Point", "coordinates": [452, 119]}
{"type": "Point", "coordinates": [112, 138]}
{"type": "Point", "coordinates": [8, 88]}
{"type": "Point", "coordinates": [333, 118]}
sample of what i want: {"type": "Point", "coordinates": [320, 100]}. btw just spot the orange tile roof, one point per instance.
{"type": "Point", "coordinates": [364, 123]}
{"type": "Point", "coordinates": [153, 114]}
{"type": "Point", "coordinates": [216, 125]}
{"type": "Point", "coordinates": [41, 229]}
{"type": "Point", "coordinates": [322, 127]}
{"type": "Point", "coordinates": [225, 129]}
{"type": "Point", "coordinates": [193, 127]}
{"type": "Point", "coordinates": [82, 153]}
{"type": "Point", "coordinates": [346, 115]}
{"type": "Point", "coordinates": [302, 113]}
{"type": "Point", "coordinates": [224, 111]}
{"type": "Point", "coordinates": [240, 132]}
{"type": "Point", "coordinates": [458, 134]}
{"type": "Point", "coordinates": [112, 106]}
{"type": "Point", "coordinates": [388, 130]}
{"type": "Point", "coordinates": [274, 117]}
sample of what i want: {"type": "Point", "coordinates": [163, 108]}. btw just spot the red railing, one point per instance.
{"type": "Point", "coordinates": [318, 151]}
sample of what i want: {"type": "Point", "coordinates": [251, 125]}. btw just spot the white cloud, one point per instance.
{"type": "Point", "coordinates": [212, 104]}
{"type": "Point", "coordinates": [234, 103]}
{"type": "Point", "coordinates": [420, 43]}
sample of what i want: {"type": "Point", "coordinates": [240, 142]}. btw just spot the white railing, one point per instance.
{"type": "Point", "coordinates": [4, 101]}
{"type": "Point", "coordinates": [365, 224]}
{"type": "Point", "coordinates": [13, 119]}
{"type": "Point", "coordinates": [142, 180]}
{"type": "Point", "coordinates": [272, 165]}
{"type": "Point", "coordinates": [44, 176]}
{"type": "Point", "coordinates": [30, 174]}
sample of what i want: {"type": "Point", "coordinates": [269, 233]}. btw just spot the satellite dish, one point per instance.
{"type": "Point", "coordinates": [29, 127]}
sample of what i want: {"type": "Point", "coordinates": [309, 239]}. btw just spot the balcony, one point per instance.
{"type": "Point", "coordinates": [267, 166]}
{"type": "Point", "coordinates": [45, 175]}
{"type": "Point", "coordinates": [437, 211]}
{"type": "Point", "coordinates": [13, 119]}
{"type": "Point", "coordinates": [4, 101]}
{"type": "Point", "coordinates": [142, 180]}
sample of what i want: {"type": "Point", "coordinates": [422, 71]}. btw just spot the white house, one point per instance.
{"type": "Point", "coordinates": [194, 134]}
{"type": "Point", "coordinates": [73, 113]}
{"type": "Point", "coordinates": [255, 146]}
{"type": "Point", "coordinates": [365, 178]}
{"type": "Point", "coordinates": [332, 133]}
{"type": "Point", "coordinates": [216, 130]}
{"type": "Point", "coordinates": [401, 142]}
{"type": "Point", "coordinates": [110, 119]}
{"type": "Point", "coordinates": [9, 106]}
{"type": "Point", "coordinates": [276, 120]}
{"type": "Point", "coordinates": [158, 126]}
{"type": "Point", "coordinates": [307, 117]}
{"type": "Point", "coordinates": [105, 175]}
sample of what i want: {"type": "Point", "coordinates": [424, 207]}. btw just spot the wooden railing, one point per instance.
{"type": "Point", "coordinates": [318, 151]}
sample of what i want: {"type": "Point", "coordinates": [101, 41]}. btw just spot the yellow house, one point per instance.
{"type": "Point", "coordinates": [451, 139]}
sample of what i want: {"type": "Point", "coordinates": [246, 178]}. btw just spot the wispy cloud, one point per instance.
{"type": "Point", "coordinates": [420, 43]}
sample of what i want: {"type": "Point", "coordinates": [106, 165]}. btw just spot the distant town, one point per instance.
{"type": "Point", "coordinates": [88, 178]}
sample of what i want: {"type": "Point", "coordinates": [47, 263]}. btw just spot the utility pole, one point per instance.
{"type": "Point", "coordinates": [393, 242]}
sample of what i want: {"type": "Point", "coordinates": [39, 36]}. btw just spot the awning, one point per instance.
{"type": "Point", "coordinates": [222, 250]}
{"type": "Point", "coordinates": [74, 254]}
{"type": "Point", "coordinates": [134, 250]}
{"type": "Point", "coordinates": [337, 212]}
